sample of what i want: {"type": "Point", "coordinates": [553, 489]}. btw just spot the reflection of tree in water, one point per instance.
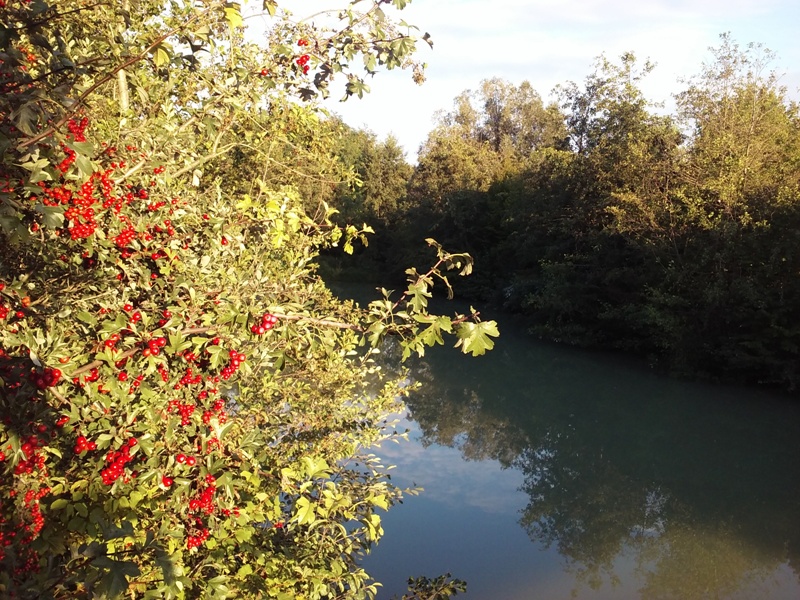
{"type": "Point", "coordinates": [692, 561]}
{"type": "Point", "coordinates": [703, 504]}
{"type": "Point", "coordinates": [588, 522]}
{"type": "Point", "coordinates": [455, 417]}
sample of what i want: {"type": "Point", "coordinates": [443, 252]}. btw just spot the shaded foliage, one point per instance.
{"type": "Point", "coordinates": [609, 224]}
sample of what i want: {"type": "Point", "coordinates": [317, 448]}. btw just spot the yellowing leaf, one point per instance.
{"type": "Point", "coordinates": [270, 6]}
{"type": "Point", "coordinates": [233, 16]}
{"type": "Point", "coordinates": [161, 57]}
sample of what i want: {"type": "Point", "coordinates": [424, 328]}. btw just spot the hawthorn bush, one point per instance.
{"type": "Point", "coordinates": [185, 409]}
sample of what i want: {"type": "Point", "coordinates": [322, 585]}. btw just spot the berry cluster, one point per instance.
{"type": "Point", "coordinates": [136, 383]}
{"type": "Point", "coordinates": [166, 316]}
{"type": "Point", "coordinates": [31, 502]}
{"type": "Point", "coordinates": [34, 460]}
{"type": "Point", "coordinates": [236, 359]}
{"type": "Point", "coordinates": [183, 459]}
{"type": "Point", "coordinates": [125, 237]}
{"type": "Point", "coordinates": [82, 444]}
{"type": "Point", "coordinates": [302, 62]}
{"type": "Point", "coordinates": [154, 345]}
{"type": "Point", "coordinates": [116, 461]}
{"type": "Point", "coordinates": [78, 129]}
{"type": "Point", "coordinates": [93, 375]}
{"type": "Point", "coordinates": [111, 341]}
{"type": "Point", "coordinates": [48, 378]}
{"type": "Point", "coordinates": [216, 410]}
{"type": "Point", "coordinates": [185, 410]}
{"type": "Point", "coordinates": [69, 159]}
{"type": "Point", "coordinates": [81, 214]}
{"type": "Point", "coordinates": [264, 324]}
{"type": "Point", "coordinates": [189, 377]}
{"type": "Point", "coordinates": [163, 372]}
{"type": "Point", "coordinates": [204, 501]}
{"type": "Point", "coordinates": [195, 541]}
{"type": "Point", "coordinates": [32, 519]}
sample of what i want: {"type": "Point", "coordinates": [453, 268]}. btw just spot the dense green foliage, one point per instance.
{"type": "Point", "coordinates": [612, 225]}
{"type": "Point", "coordinates": [185, 409]}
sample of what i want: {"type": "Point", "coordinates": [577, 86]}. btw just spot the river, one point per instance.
{"type": "Point", "coordinates": [551, 472]}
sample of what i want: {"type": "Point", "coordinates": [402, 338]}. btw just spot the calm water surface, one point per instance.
{"type": "Point", "coordinates": [554, 473]}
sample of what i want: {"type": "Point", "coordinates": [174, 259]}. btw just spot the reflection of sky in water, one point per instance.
{"type": "Point", "coordinates": [448, 479]}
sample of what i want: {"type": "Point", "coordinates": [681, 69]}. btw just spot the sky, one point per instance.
{"type": "Point", "coordinates": [550, 42]}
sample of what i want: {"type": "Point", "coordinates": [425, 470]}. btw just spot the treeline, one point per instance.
{"type": "Point", "coordinates": [609, 223]}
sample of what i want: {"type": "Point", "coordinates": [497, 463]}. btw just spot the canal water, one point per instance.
{"type": "Point", "coordinates": [550, 472]}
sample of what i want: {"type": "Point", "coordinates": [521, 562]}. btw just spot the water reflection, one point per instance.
{"type": "Point", "coordinates": [646, 487]}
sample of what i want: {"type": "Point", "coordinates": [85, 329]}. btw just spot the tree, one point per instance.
{"type": "Point", "coordinates": [182, 400]}
{"type": "Point", "coordinates": [381, 176]}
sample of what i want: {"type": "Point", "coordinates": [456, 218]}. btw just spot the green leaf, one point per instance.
{"type": "Point", "coordinates": [52, 216]}
{"type": "Point", "coordinates": [474, 338]}
{"type": "Point", "coordinates": [419, 295]}
{"type": "Point", "coordinates": [314, 467]}
{"type": "Point", "coordinates": [59, 504]}
{"type": "Point", "coordinates": [305, 511]}
{"type": "Point", "coordinates": [380, 501]}
{"type": "Point", "coordinates": [243, 534]}
{"type": "Point", "coordinates": [87, 318]}
{"type": "Point", "coordinates": [244, 571]}
{"type": "Point", "coordinates": [115, 582]}
{"type": "Point", "coordinates": [85, 148]}
{"type": "Point", "coordinates": [167, 565]}
{"type": "Point", "coordinates": [245, 203]}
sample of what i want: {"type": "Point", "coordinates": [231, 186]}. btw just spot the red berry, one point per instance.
{"type": "Point", "coordinates": [166, 481]}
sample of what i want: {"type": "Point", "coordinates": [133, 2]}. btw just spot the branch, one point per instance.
{"type": "Point", "coordinates": [203, 160]}
{"type": "Point", "coordinates": [323, 322]}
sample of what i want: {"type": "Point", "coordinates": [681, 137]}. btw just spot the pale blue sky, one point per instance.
{"type": "Point", "coordinates": [549, 42]}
